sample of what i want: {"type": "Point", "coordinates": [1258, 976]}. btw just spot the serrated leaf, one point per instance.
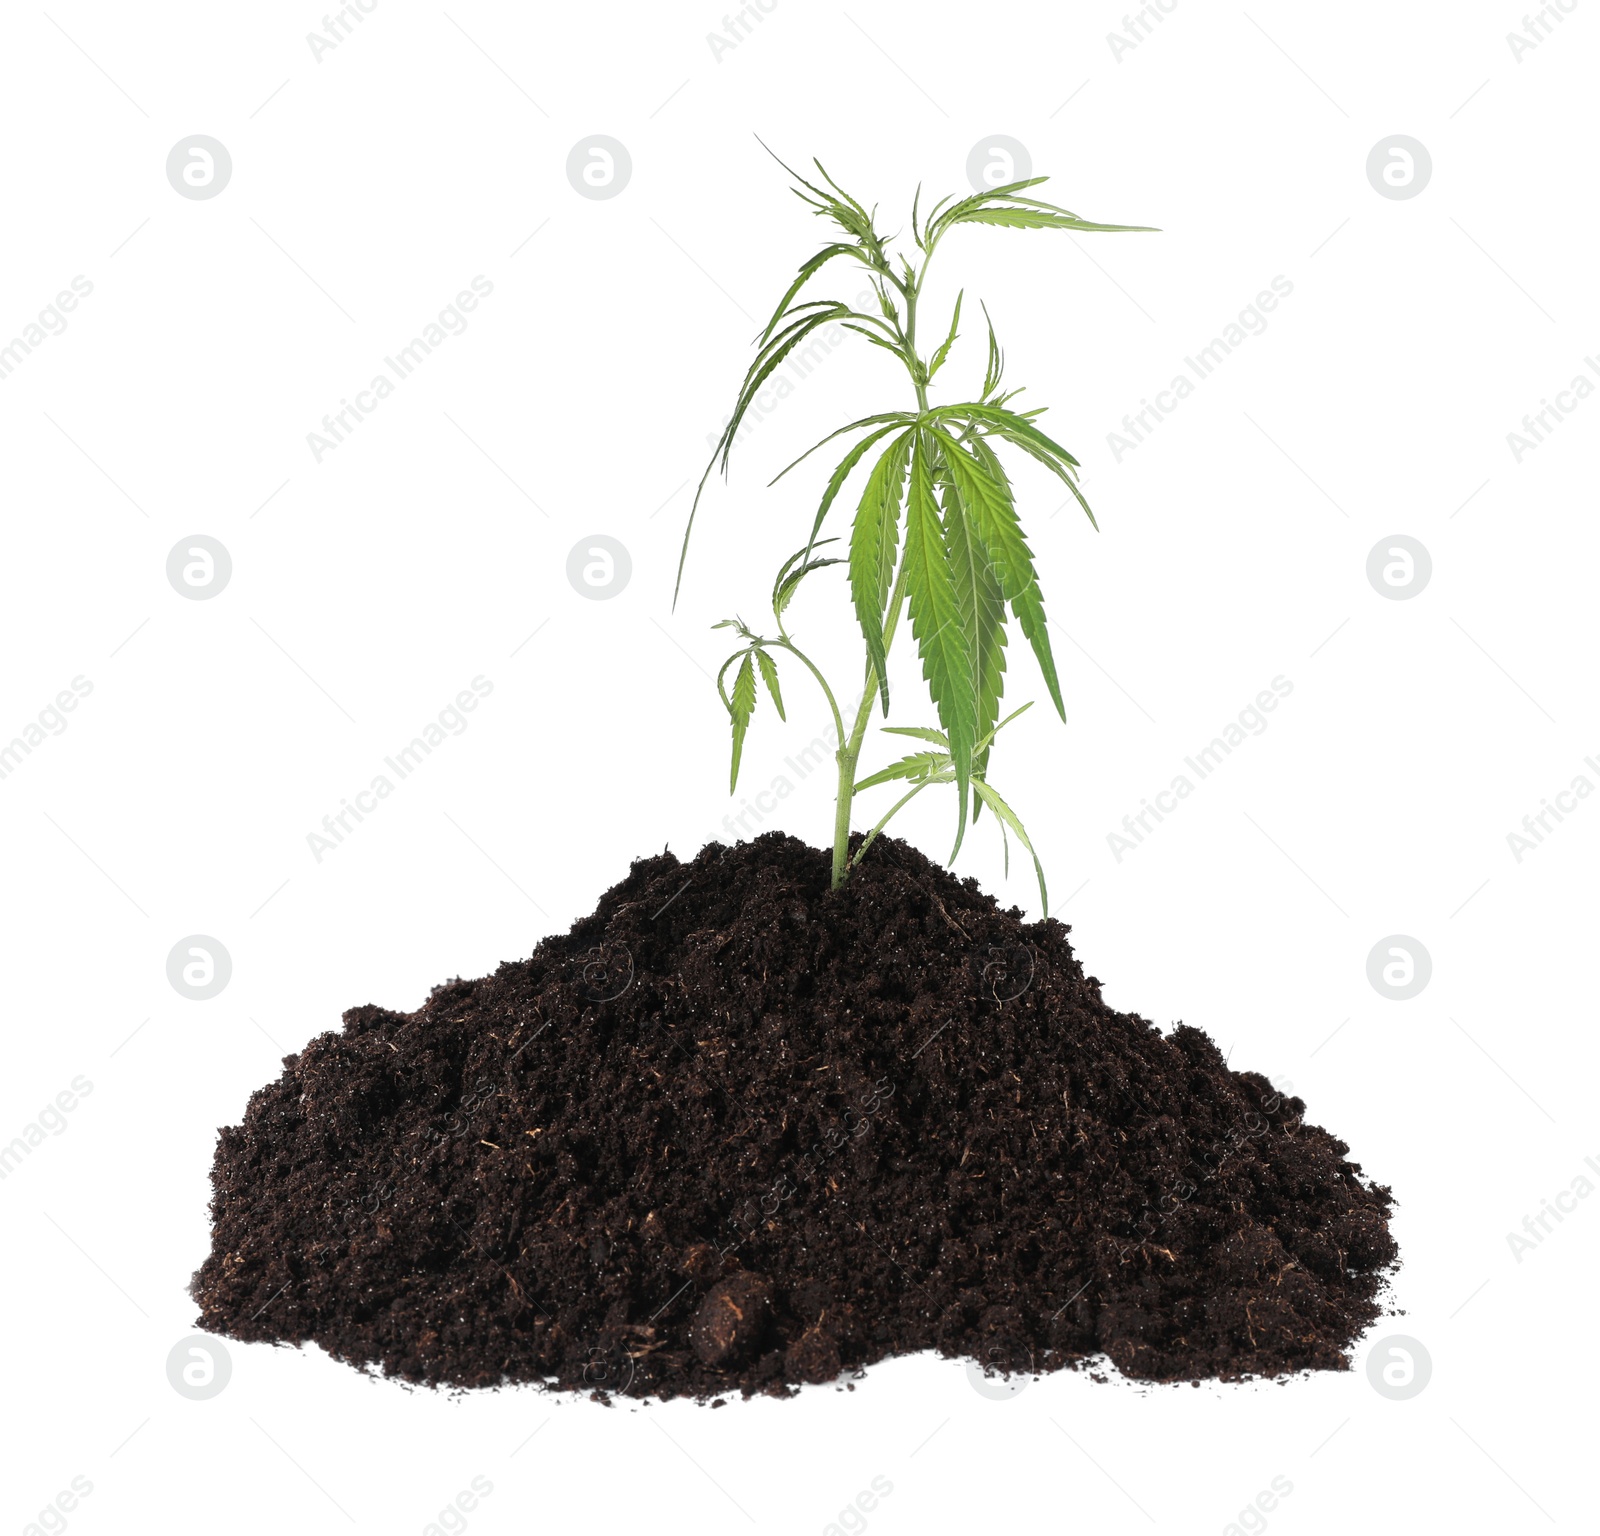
{"type": "Point", "coordinates": [790, 584]}
{"type": "Point", "coordinates": [769, 675]}
{"type": "Point", "coordinates": [874, 338]}
{"type": "Point", "coordinates": [789, 564]}
{"type": "Point", "coordinates": [1008, 817]}
{"type": "Point", "coordinates": [983, 614]}
{"type": "Point", "coordinates": [930, 221]}
{"type": "Point", "coordinates": [937, 223]}
{"type": "Point", "coordinates": [1006, 205]}
{"type": "Point", "coordinates": [1021, 709]}
{"type": "Point", "coordinates": [921, 732]}
{"type": "Point", "coordinates": [808, 269]}
{"type": "Point", "coordinates": [1019, 424]}
{"type": "Point", "coordinates": [991, 375]}
{"type": "Point", "coordinates": [936, 621]}
{"type": "Point", "coordinates": [1063, 472]}
{"type": "Point", "coordinates": [889, 547]}
{"type": "Point", "coordinates": [937, 360]}
{"type": "Point", "coordinates": [874, 539]}
{"type": "Point", "coordinates": [1023, 216]}
{"type": "Point", "coordinates": [840, 474]}
{"type": "Point", "coordinates": [837, 188]}
{"type": "Point", "coordinates": [1054, 458]}
{"type": "Point", "coordinates": [982, 749]}
{"type": "Point", "coordinates": [766, 360]}
{"type": "Point", "coordinates": [742, 706]}
{"type": "Point", "coordinates": [900, 417]}
{"type": "Point", "coordinates": [987, 494]}
{"type": "Point", "coordinates": [1013, 562]}
{"type": "Point", "coordinates": [1007, 189]}
{"type": "Point", "coordinates": [848, 213]}
{"type": "Point", "coordinates": [722, 691]}
{"type": "Point", "coordinates": [920, 765]}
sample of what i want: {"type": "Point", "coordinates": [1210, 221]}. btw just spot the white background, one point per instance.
{"type": "Point", "coordinates": [371, 186]}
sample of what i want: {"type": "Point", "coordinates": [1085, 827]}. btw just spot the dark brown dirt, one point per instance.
{"type": "Point", "coordinates": [736, 1132]}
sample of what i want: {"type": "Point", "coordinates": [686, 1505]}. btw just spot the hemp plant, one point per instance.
{"type": "Point", "coordinates": [935, 529]}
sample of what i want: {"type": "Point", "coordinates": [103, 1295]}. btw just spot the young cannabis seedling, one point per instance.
{"type": "Point", "coordinates": [961, 558]}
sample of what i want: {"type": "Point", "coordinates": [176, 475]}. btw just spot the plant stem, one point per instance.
{"type": "Point", "coordinates": [905, 799]}
{"type": "Point", "coordinates": [787, 644]}
{"type": "Point", "coordinates": [850, 750]}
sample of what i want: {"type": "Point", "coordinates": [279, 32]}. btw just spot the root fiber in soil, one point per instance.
{"type": "Point", "coordinates": [738, 1132]}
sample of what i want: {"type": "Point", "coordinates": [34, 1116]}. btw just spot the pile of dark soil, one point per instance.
{"type": "Point", "coordinates": [738, 1132]}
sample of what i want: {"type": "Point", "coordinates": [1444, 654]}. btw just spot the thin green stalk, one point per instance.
{"type": "Point", "coordinates": [910, 794]}
{"type": "Point", "coordinates": [850, 751]}
{"type": "Point", "coordinates": [787, 644]}
{"type": "Point", "coordinates": [964, 562]}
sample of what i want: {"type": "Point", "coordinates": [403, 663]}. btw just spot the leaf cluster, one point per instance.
{"type": "Point", "coordinates": [935, 532]}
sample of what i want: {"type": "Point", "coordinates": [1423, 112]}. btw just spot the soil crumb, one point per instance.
{"type": "Point", "coordinates": [736, 1132]}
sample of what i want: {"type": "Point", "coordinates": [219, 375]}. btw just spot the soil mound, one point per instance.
{"type": "Point", "coordinates": [738, 1132]}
